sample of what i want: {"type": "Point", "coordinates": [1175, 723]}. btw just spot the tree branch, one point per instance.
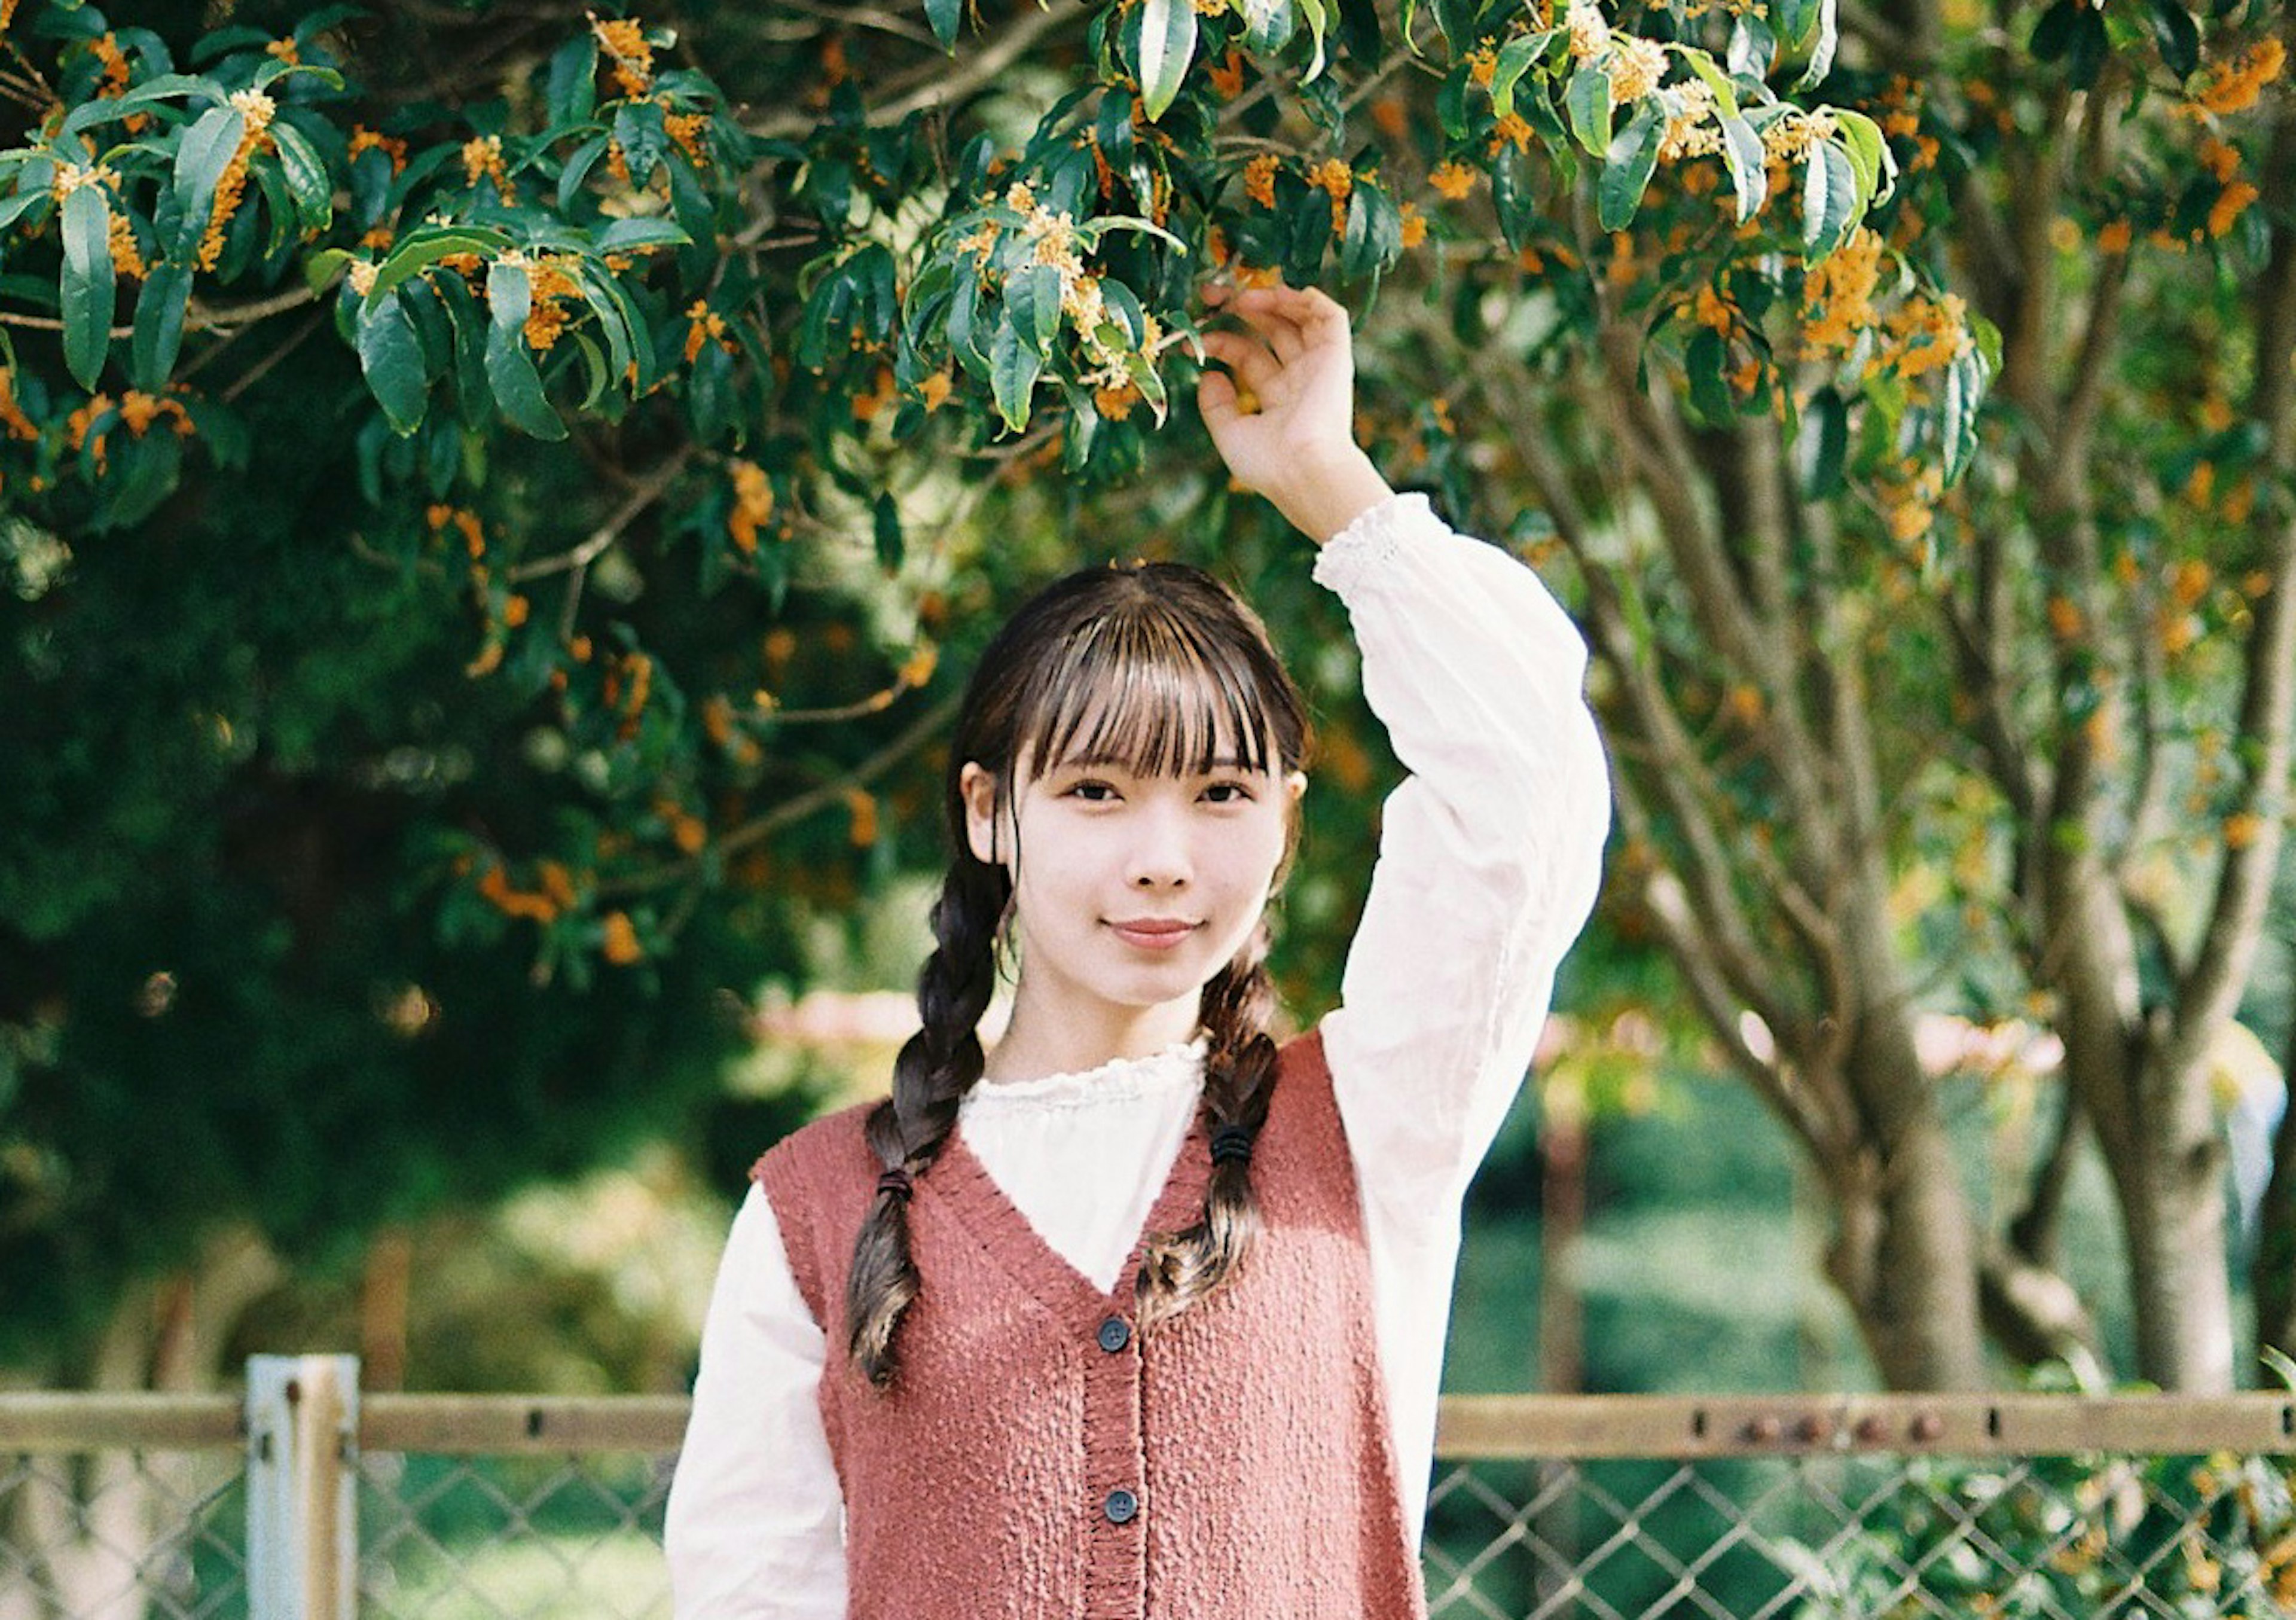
{"type": "Point", "coordinates": [927, 725]}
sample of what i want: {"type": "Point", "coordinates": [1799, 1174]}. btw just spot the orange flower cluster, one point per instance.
{"type": "Point", "coordinates": [1925, 335]}
{"type": "Point", "coordinates": [703, 326]}
{"type": "Point", "coordinates": [1336, 180]}
{"type": "Point", "coordinates": [629, 683]}
{"type": "Point", "coordinates": [934, 390]}
{"type": "Point", "coordinates": [137, 412]}
{"type": "Point", "coordinates": [1414, 226]}
{"type": "Point", "coordinates": [255, 110]}
{"type": "Point", "coordinates": [1259, 179]}
{"type": "Point", "coordinates": [542, 905]}
{"type": "Point", "coordinates": [1115, 403]}
{"type": "Point", "coordinates": [1228, 76]}
{"type": "Point", "coordinates": [126, 254]}
{"type": "Point", "coordinates": [2233, 86]}
{"type": "Point", "coordinates": [2113, 240]}
{"type": "Point", "coordinates": [553, 290]}
{"type": "Point", "coordinates": [11, 414]}
{"type": "Point", "coordinates": [753, 504]}
{"type": "Point", "coordinates": [482, 159]}
{"type": "Point", "coordinates": [1837, 296]}
{"type": "Point", "coordinates": [687, 128]}
{"type": "Point", "coordinates": [2230, 204]}
{"type": "Point", "coordinates": [624, 42]}
{"type": "Point", "coordinates": [1452, 181]}
{"type": "Point", "coordinates": [364, 139]}
{"type": "Point", "coordinates": [116, 70]}
{"type": "Point", "coordinates": [687, 829]}
{"type": "Point", "coordinates": [617, 940]}
{"type": "Point", "coordinates": [463, 521]}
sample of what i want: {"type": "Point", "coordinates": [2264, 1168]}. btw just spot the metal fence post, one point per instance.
{"type": "Point", "coordinates": [302, 1525]}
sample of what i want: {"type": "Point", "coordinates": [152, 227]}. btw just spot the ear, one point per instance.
{"type": "Point", "coordinates": [1296, 785]}
{"type": "Point", "coordinates": [978, 788]}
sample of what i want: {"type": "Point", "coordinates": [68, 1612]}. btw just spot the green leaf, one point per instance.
{"type": "Point", "coordinates": [421, 248]}
{"type": "Point", "coordinates": [944, 15]}
{"type": "Point", "coordinates": [1709, 73]}
{"type": "Point", "coordinates": [1869, 153]}
{"type": "Point", "coordinates": [1703, 360]}
{"type": "Point", "coordinates": [206, 150]}
{"type": "Point", "coordinates": [1589, 98]}
{"type": "Point", "coordinates": [1749, 166]}
{"type": "Point", "coordinates": [887, 524]}
{"type": "Point", "coordinates": [572, 96]}
{"type": "Point", "coordinates": [1822, 445]}
{"type": "Point", "coordinates": [2053, 34]}
{"type": "Point", "coordinates": [1032, 304]}
{"type": "Point", "coordinates": [1821, 47]}
{"type": "Point", "coordinates": [85, 291]}
{"type": "Point", "coordinates": [1319, 24]}
{"type": "Point", "coordinates": [2177, 35]}
{"type": "Point", "coordinates": [1627, 171]}
{"type": "Point", "coordinates": [1012, 368]}
{"type": "Point", "coordinates": [1965, 382]}
{"type": "Point", "coordinates": [1168, 45]}
{"type": "Point", "coordinates": [144, 98]}
{"type": "Point", "coordinates": [159, 334]}
{"type": "Point", "coordinates": [640, 231]}
{"type": "Point", "coordinates": [390, 354]}
{"type": "Point", "coordinates": [511, 371]}
{"type": "Point", "coordinates": [307, 184]}
{"type": "Point", "coordinates": [1515, 59]}
{"type": "Point", "coordinates": [1268, 26]}
{"type": "Point", "coordinates": [1829, 199]}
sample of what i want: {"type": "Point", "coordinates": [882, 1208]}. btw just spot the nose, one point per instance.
{"type": "Point", "coordinates": [1159, 857]}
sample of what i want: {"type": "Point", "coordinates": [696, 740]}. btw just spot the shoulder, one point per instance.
{"type": "Point", "coordinates": [831, 1147]}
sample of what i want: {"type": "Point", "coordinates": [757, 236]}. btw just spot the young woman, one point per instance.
{"type": "Point", "coordinates": [1140, 1313]}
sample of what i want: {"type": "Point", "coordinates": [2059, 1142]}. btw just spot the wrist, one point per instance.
{"type": "Point", "coordinates": [1323, 494]}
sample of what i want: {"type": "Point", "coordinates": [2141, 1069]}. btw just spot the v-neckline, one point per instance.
{"type": "Point", "coordinates": [987, 1211]}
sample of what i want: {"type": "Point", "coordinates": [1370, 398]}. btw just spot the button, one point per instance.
{"type": "Point", "coordinates": [1115, 1334]}
{"type": "Point", "coordinates": [1121, 1506]}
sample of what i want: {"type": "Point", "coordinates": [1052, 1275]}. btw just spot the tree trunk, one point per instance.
{"type": "Point", "coordinates": [2273, 1268]}
{"type": "Point", "coordinates": [1905, 1257]}
{"type": "Point", "coordinates": [2169, 1176]}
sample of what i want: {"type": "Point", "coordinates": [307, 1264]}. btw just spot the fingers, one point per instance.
{"type": "Point", "coordinates": [1292, 321]}
{"type": "Point", "coordinates": [1253, 366]}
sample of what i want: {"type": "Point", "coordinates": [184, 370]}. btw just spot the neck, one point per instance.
{"type": "Point", "coordinates": [1040, 1040]}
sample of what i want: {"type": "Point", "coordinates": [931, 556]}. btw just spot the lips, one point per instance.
{"type": "Point", "coordinates": [1152, 932]}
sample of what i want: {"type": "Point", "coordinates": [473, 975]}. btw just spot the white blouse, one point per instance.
{"type": "Point", "coordinates": [1490, 853]}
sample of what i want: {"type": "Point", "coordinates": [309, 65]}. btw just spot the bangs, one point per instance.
{"type": "Point", "coordinates": [1138, 691]}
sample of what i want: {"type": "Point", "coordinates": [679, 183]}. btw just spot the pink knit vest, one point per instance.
{"type": "Point", "coordinates": [1037, 1458]}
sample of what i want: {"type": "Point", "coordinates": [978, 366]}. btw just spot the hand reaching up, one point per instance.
{"type": "Point", "coordinates": [1282, 414]}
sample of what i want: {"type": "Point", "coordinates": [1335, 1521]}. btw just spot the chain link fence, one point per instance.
{"type": "Point", "coordinates": [1613, 1509]}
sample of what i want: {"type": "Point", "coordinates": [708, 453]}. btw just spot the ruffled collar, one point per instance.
{"type": "Point", "coordinates": [1178, 1067]}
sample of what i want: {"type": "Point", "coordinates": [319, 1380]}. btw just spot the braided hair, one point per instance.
{"type": "Point", "coordinates": [1161, 667]}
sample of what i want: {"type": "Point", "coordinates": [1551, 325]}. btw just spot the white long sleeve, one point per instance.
{"type": "Point", "coordinates": [1490, 857]}
{"type": "Point", "coordinates": [1490, 854]}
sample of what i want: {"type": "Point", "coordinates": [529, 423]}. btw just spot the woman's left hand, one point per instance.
{"type": "Point", "coordinates": [1283, 414]}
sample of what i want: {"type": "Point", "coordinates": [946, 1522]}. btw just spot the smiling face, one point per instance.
{"type": "Point", "coordinates": [1129, 757]}
{"type": "Point", "coordinates": [1132, 888]}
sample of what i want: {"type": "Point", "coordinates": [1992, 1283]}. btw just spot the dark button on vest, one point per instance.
{"type": "Point", "coordinates": [1115, 1334]}
{"type": "Point", "coordinates": [1121, 1506]}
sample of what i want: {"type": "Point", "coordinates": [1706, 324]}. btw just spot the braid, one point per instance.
{"type": "Point", "coordinates": [935, 1069]}
{"type": "Point", "coordinates": [1239, 1075]}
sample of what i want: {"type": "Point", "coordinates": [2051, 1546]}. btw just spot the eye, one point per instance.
{"type": "Point", "coordinates": [1229, 792]}
{"type": "Point", "coordinates": [1092, 790]}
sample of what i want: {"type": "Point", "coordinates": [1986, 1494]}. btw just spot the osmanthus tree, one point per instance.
{"type": "Point", "coordinates": [2017, 746]}
{"type": "Point", "coordinates": [487, 492]}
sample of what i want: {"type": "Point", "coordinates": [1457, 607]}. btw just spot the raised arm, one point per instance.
{"type": "Point", "coordinates": [1491, 852]}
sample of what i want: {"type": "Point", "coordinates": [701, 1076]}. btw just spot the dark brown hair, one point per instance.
{"type": "Point", "coordinates": [1161, 668]}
